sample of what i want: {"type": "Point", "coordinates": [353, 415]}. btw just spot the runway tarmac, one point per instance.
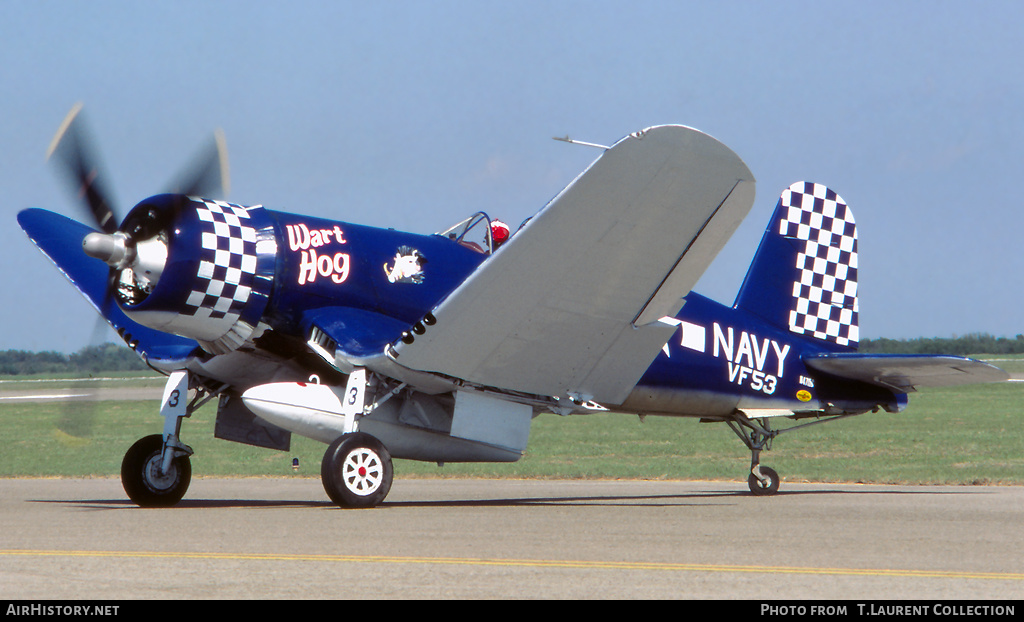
{"type": "Point", "coordinates": [81, 389]}
{"type": "Point", "coordinates": [281, 538]}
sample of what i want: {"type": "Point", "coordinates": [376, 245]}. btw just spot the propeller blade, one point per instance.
{"type": "Point", "coordinates": [73, 149]}
{"type": "Point", "coordinates": [208, 175]}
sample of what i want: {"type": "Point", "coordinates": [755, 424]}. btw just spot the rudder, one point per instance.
{"type": "Point", "coordinates": [804, 274]}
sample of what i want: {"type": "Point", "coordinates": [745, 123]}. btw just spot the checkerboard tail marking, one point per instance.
{"type": "Point", "coordinates": [825, 292]}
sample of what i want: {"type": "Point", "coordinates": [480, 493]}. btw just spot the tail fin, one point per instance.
{"type": "Point", "coordinates": [804, 275]}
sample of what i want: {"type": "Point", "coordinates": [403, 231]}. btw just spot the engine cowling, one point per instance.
{"type": "Point", "coordinates": [193, 267]}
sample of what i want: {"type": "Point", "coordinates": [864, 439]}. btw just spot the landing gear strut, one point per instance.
{"type": "Point", "coordinates": [757, 435]}
{"type": "Point", "coordinates": [356, 470]}
{"type": "Point", "coordinates": [157, 470]}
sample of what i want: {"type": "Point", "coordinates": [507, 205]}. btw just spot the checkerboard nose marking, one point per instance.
{"type": "Point", "coordinates": [227, 264]}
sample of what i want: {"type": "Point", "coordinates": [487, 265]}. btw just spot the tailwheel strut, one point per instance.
{"type": "Point", "coordinates": [757, 435]}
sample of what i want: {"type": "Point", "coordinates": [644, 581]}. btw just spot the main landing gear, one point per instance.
{"type": "Point", "coordinates": [147, 481]}
{"type": "Point", "coordinates": [356, 470]}
{"type": "Point", "coordinates": [157, 470]}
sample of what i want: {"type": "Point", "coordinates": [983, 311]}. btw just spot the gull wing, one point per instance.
{"type": "Point", "coordinates": [60, 239]}
{"type": "Point", "coordinates": [571, 304]}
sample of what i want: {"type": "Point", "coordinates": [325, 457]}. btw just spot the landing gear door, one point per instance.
{"type": "Point", "coordinates": [492, 421]}
{"type": "Point", "coordinates": [353, 402]}
{"type": "Point", "coordinates": [175, 403]}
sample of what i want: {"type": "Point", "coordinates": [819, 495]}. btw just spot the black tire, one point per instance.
{"type": "Point", "coordinates": [356, 471]}
{"type": "Point", "coordinates": [139, 474]}
{"type": "Point", "coordinates": [760, 488]}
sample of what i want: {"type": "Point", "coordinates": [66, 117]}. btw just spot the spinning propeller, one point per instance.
{"type": "Point", "coordinates": [71, 149]}
{"type": "Point", "coordinates": [125, 249]}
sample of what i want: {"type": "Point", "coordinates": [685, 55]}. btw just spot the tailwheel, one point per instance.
{"type": "Point", "coordinates": [145, 479]}
{"type": "Point", "coordinates": [356, 471]}
{"type": "Point", "coordinates": [757, 435]}
{"type": "Point", "coordinates": [767, 484]}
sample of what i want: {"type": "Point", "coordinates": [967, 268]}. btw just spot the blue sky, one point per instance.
{"type": "Point", "coordinates": [418, 113]}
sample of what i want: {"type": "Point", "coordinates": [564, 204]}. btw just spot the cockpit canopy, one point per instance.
{"type": "Point", "coordinates": [473, 232]}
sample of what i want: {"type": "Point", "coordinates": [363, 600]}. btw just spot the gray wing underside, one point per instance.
{"type": "Point", "coordinates": [571, 304]}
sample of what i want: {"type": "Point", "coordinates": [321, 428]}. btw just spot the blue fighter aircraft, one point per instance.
{"type": "Point", "coordinates": [443, 347]}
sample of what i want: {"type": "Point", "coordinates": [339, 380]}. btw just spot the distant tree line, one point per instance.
{"type": "Point", "coordinates": [107, 357]}
{"type": "Point", "coordinates": [976, 343]}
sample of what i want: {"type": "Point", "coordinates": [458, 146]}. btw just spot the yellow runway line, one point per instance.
{"type": "Point", "coordinates": [523, 563]}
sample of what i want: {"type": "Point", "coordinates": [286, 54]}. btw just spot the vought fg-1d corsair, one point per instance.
{"type": "Point", "coordinates": [443, 347]}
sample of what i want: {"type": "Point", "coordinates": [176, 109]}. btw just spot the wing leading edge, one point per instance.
{"type": "Point", "coordinates": [905, 373]}
{"type": "Point", "coordinates": [571, 305]}
{"type": "Point", "coordinates": [60, 239]}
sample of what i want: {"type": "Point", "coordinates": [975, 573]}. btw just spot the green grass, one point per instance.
{"type": "Point", "coordinates": [962, 435]}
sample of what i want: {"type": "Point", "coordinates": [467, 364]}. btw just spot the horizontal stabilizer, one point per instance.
{"type": "Point", "coordinates": [905, 373]}
{"type": "Point", "coordinates": [572, 303]}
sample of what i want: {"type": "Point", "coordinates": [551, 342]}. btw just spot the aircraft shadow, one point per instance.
{"type": "Point", "coordinates": [665, 500]}
{"type": "Point", "coordinates": [662, 500]}
{"type": "Point", "coordinates": [125, 504]}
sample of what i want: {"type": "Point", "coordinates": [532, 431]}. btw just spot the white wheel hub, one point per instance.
{"type": "Point", "coordinates": [362, 471]}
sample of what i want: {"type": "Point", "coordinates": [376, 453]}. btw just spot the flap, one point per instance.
{"type": "Point", "coordinates": [571, 304]}
{"type": "Point", "coordinates": [905, 373]}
